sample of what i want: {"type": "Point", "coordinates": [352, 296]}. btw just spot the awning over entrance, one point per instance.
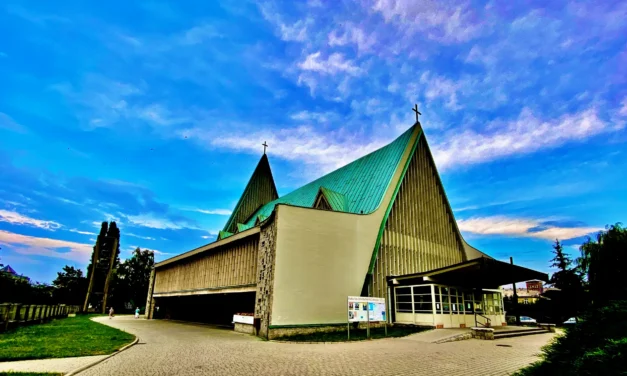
{"type": "Point", "coordinates": [480, 272]}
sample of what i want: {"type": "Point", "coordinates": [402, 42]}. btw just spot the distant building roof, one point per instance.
{"type": "Point", "coordinates": [8, 269]}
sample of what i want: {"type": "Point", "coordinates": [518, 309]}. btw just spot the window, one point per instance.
{"type": "Point", "coordinates": [403, 307]}
{"type": "Point", "coordinates": [469, 302]}
{"type": "Point", "coordinates": [446, 303]}
{"type": "Point", "coordinates": [423, 300]}
{"type": "Point", "coordinates": [454, 301]}
{"type": "Point", "coordinates": [403, 299]}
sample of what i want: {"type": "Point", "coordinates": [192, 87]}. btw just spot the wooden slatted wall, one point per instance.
{"type": "Point", "coordinates": [231, 265]}
{"type": "Point", "coordinates": [419, 234]}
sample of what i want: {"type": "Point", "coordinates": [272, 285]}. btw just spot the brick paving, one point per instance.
{"type": "Point", "coordinates": [174, 348]}
{"type": "Point", "coordinates": [60, 365]}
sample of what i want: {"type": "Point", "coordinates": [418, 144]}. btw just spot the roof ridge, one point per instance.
{"type": "Point", "coordinates": [363, 181]}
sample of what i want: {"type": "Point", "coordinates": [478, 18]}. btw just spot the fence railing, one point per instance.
{"type": "Point", "coordinates": [16, 314]}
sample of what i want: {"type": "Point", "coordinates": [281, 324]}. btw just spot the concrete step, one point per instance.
{"type": "Point", "coordinates": [517, 333]}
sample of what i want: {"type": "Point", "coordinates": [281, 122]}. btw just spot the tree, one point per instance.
{"type": "Point", "coordinates": [604, 262]}
{"type": "Point", "coordinates": [101, 267]}
{"type": "Point", "coordinates": [70, 286]}
{"type": "Point", "coordinates": [132, 278]}
{"type": "Point", "coordinates": [570, 299]}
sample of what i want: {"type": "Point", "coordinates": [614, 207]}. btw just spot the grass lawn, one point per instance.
{"type": "Point", "coordinates": [73, 336]}
{"type": "Point", "coordinates": [356, 334]}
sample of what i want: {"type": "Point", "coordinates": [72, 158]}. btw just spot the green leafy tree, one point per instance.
{"type": "Point", "coordinates": [70, 286]}
{"type": "Point", "coordinates": [604, 261]}
{"type": "Point", "coordinates": [571, 299]}
{"type": "Point", "coordinates": [132, 278]}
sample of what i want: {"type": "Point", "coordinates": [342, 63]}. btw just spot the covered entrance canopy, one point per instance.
{"type": "Point", "coordinates": [481, 272]}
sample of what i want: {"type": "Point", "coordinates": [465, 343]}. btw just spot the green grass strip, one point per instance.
{"type": "Point", "coordinates": [69, 337]}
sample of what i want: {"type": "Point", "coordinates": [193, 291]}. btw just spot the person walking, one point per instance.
{"type": "Point", "coordinates": [110, 313]}
{"type": "Point", "coordinates": [137, 313]}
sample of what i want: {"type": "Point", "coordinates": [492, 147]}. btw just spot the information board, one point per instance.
{"type": "Point", "coordinates": [243, 319]}
{"type": "Point", "coordinates": [360, 308]}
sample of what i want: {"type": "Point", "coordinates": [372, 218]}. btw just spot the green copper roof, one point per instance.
{"type": "Point", "coordinates": [259, 191]}
{"type": "Point", "coordinates": [362, 183]}
{"type": "Point", "coordinates": [224, 234]}
{"type": "Point", "coordinates": [336, 200]}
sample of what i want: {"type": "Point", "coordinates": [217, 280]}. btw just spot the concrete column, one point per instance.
{"type": "Point", "coordinates": [16, 317]}
{"type": "Point", "coordinates": [4, 316]}
{"type": "Point", "coordinates": [150, 302]}
{"type": "Point", "coordinates": [24, 313]}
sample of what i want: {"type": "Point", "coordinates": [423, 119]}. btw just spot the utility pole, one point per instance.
{"type": "Point", "coordinates": [511, 261]}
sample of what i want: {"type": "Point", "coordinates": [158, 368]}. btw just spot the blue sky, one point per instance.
{"type": "Point", "coordinates": [153, 114]}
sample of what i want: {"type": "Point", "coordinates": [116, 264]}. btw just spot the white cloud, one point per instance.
{"type": "Point", "coordinates": [6, 122]}
{"type": "Point", "coordinates": [199, 34]}
{"type": "Point", "coordinates": [333, 64]}
{"type": "Point", "coordinates": [30, 245]}
{"type": "Point", "coordinates": [215, 211]}
{"type": "Point", "coordinates": [441, 21]}
{"type": "Point", "coordinates": [296, 32]}
{"type": "Point", "coordinates": [522, 136]}
{"type": "Point", "coordinates": [623, 109]}
{"type": "Point", "coordinates": [138, 236]}
{"type": "Point", "coordinates": [19, 219]}
{"type": "Point", "coordinates": [522, 227]}
{"type": "Point", "coordinates": [82, 232]}
{"type": "Point", "coordinates": [159, 115]}
{"type": "Point", "coordinates": [307, 116]}
{"type": "Point", "coordinates": [352, 34]}
{"type": "Point", "coordinates": [440, 87]}
{"type": "Point", "coordinates": [325, 151]}
{"type": "Point", "coordinates": [147, 220]}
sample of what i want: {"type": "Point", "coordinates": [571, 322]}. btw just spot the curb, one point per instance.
{"type": "Point", "coordinates": [81, 369]}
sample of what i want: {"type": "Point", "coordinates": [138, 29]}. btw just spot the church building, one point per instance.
{"type": "Point", "coordinates": [380, 226]}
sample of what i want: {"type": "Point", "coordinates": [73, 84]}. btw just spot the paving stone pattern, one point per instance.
{"type": "Point", "coordinates": [60, 365]}
{"type": "Point", "coordinates": [174, 348]}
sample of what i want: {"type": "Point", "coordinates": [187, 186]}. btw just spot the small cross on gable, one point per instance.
{"type": "Point", "coordinates": [265, 145]}
{"type": "Point", "coordinates": [415, 109]}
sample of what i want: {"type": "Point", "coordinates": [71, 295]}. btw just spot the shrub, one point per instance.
{"type": "Point", "coordinates": [595, 346]}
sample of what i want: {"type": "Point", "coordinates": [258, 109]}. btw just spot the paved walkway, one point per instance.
{"type": "Point", "coordinates": [60, 365]}
{"type": "Point", "coordinates": [172, 348]}
{"type": "Point", "coordinates": [435, 335]}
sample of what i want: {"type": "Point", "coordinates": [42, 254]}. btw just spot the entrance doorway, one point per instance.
{"type": "Point", "coordinates": [217, 309]}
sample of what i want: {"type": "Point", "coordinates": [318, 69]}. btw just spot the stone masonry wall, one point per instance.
{"type": "Point", "coordinates": [265, 276]}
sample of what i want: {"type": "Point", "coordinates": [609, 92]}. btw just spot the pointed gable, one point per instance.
{"type": "Point", "coordinates": [259, 191]}
{"type": "Point", "coordinates": [363, 182]}
{"type": "Point", "coordinates": [330, 200]}
{"type": "Point", "coordinates": [420, 232]}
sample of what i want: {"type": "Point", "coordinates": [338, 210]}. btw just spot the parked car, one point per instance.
{"type": "Point", "coordinates": [570, 321]}
{"type": "Point", "coordinates": [527, 320]}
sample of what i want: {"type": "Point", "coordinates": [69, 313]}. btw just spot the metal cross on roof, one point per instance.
{"type": "Point", "coordinates": [265, 145]}
{"type": "Point", "coordinates": [415, 109]}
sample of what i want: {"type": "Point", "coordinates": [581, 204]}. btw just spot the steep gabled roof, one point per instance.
{"type": "Point", "coordinates": [259, 191]}
{"type": "Point", "coordinates": [335, 200]}
{"type": "Point", "coordinates": [8, 269]}
{"type": "Point", "coordinates": [362, 183]}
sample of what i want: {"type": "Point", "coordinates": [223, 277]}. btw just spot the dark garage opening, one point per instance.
{"type": "Point", "coordinates": [217, 309]}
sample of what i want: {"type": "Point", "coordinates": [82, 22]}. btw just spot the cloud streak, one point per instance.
{"type": "Point", "coordinates": [36, 246]}
{"type": "Point", "coordinates": [525, 135]}
{"type": "Point", "coordinates": [522, 228]}
{"type": "Point", "coordinates": [16, 218]}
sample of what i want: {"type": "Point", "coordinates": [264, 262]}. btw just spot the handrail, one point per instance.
{"type": "Point", "coordinates": [487, 323]}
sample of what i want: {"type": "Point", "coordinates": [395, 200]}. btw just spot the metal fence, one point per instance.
{"type": "Point", "coordinates": [16, 314]}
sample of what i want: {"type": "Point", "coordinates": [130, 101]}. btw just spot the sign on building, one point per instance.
{"type": "Point", "coordinates": [362, 308]}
